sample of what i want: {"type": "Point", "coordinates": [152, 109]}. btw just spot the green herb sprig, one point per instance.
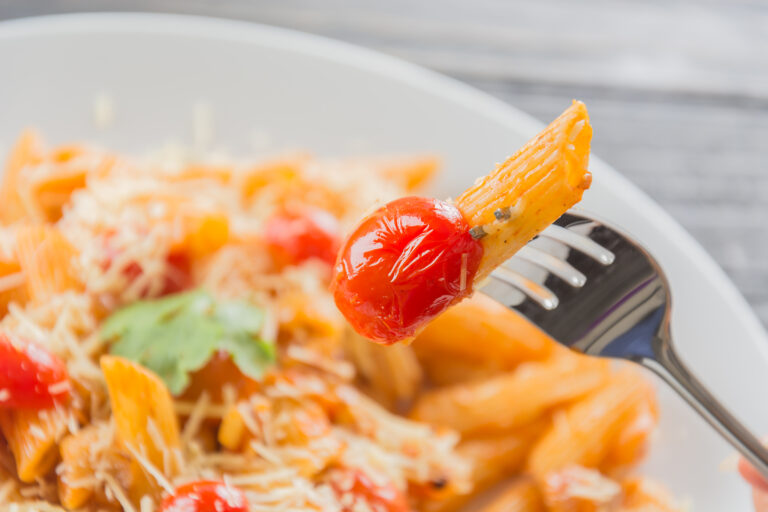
{"type": "Point", "coordinates": [177, 335]}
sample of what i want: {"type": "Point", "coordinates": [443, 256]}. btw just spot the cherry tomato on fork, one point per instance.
{"type": "Point", "coordinates": [358, 491]}
{"type": "Point", "coordinates": [206, 496]}
{"type": "Point", "coordinates": [296, 236]}
{"type": "Point", "coordinates": [30, 376]}
{"type": "Point", "coordinates": [403, 265]}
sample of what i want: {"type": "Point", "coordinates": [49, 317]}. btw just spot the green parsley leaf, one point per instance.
{"type": "Point", "coordinates": [177, 335]}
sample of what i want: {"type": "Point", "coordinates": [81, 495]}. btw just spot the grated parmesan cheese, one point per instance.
{"type": "Point", "coordinates": [196, 417]}
{"type": "Point", "coordinates": [11, 281]}
{"type": "Point", "coordinates": [146, 504]}
{"type": "Point", "coordinates": [151, 469]}
{"type": "Point", "coordinates": [115, 490]}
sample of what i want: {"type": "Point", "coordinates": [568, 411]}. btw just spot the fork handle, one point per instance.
{"type": "Point", "coordinates": [669, 367]}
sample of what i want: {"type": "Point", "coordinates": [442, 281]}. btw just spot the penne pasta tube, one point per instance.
{"type": "Point", "coordinates": [12, 285]}
{"type": "Point", "coordinates": [145, 422]}
{"type": "Point", "coordinates": [521, 495]}
{"type": "Point", "coordinates": [514, 399]}
{"type": "Point", "coordinates": [583, 433]}
{"type": "Point", "coordinates": [32, 436]}
{"type": "Point", "coordinates": [531, 189]}
{"type": "Point", "coordinates": [392, 374]}
{"type": "Point", "coordinates": [480, 331]}
{"type": "Point", "coordinates": [76, 466]}
{"type": "Point", "coordinates": [632, 442]}
{"type": "Point", "coordinates": [642, 494]}
{"type": "Point", "coordinates": [496, 457]}
{"type": "Point", "coordinates": [449, 370]}
{"type": "Point", "coordinates": [14, 206]}
{"type": "Point", "coordinates": [48, 261]}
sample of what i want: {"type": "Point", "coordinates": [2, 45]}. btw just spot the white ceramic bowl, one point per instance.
{"type": "Point", "coordinates": [336, 99]}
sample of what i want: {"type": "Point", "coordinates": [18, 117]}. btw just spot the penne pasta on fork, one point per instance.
{"type": "Point", "coordinates": [412, 259]}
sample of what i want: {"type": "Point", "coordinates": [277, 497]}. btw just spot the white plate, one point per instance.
{"type": "Point", "coordinates": [335, 99]}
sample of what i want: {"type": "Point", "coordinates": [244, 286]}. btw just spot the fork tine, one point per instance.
{"type": "Point", "coordinates": [553, 264]}
{"type": "Point", "coordinates": [580, 243]}
{"type": "Point", "coordinates": [535, 291]}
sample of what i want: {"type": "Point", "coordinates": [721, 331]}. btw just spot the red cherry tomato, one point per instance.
{"type": "Point", "coordinates": [365, 493]}
{"type": "Point", "coordinates": [177, 277]}
{"type": "Point", "coordinates": [30, 376]}
{"type": "Point", "coordinates": [178, 272]}
{"type": "Point", "coordinates": [404, 265]}
{"type": "Point", "coordinates": [294, 237]}
{"type": "Point", "coordinates": [206, 496]}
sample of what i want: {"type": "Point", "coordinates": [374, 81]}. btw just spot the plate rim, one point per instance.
{"type": "Point", "coordinates": [422, 80]}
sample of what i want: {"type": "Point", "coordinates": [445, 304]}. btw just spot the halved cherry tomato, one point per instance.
{"type": "Point", "coordinates": [403, 265]}
{"type": "Point", "coordinates": [206, 496]}
{"type": "Point", "coordinates": [177, 276]}
{"type": "Point", "coordinates": [178, 273]}
{"type": "Point", "coordinates": [297, 236]}
{"type": "Point", "coordinates": [366, 494]}
{"type": "Point", "coordinates": [30, 376]}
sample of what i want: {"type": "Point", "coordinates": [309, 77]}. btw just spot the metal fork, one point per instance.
{"type": "Point", "coordinates": [594, 289]}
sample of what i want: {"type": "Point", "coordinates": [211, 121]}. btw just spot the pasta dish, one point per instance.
{"type": "Point", "coordinates": [175, 337]}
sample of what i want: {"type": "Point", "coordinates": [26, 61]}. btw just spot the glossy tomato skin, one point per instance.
{"type": "Point", "coordinates": [353, 486]}
{"type": "Point", "coordinates": [206, 496]}
{"type": "Point", "coordinates": [300, 235]}
{"type": "Point", "coordinates": [402, 266]}
{"type": "Point", "coordinates": [30, 376]}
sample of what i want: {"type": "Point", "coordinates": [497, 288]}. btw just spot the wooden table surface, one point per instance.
{"type": "Point", "coordinates": [678, 89]}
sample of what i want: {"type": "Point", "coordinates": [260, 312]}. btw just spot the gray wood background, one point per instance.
{"type": "Point", "coordinates": [678, 88]}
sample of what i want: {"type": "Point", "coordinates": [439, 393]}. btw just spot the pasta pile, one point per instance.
{"type": "Point", "coordinates": [106, 262]}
